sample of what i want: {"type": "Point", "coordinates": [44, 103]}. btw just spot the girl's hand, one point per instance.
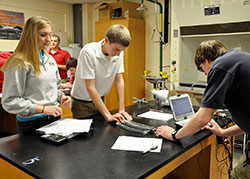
{"type": "Point", "coordinates": [52, 110]}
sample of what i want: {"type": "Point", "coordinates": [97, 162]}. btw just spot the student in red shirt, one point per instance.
{"type": "Point", "coordinates": [4, 55]}
{"type": "Point", "coordinates": [71, 66]}
{"type": "Point", "coordinates": [61, 57]}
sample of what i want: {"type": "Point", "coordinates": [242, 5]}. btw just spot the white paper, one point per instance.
{"type": "Point", "coordinates": [137, 144]}
{"type": "Point", "coordinates": [67, 126]}
{"type": "Point", "coordinates": [156, 115]}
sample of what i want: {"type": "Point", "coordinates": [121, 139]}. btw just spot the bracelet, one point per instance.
{"type": "Point", "coordinates": [174, 136]}
{"type": "Point", "coordinates": [43, 109]}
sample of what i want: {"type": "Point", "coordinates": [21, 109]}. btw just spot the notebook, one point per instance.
{"type": "Point", "coordinates": [182, 108]}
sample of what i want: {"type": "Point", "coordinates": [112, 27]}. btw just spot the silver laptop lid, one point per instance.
{"type": "Point", "coordinates": [181, 106]}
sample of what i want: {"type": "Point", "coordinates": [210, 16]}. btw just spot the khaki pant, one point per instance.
{"type": "Point", "coordinates": [83, 109]}
{"type": "Point", "coordinates": [241, 171]}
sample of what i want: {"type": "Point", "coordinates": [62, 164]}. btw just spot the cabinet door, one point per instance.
{"type": "Point", "coordinates": [7, 121]}
{"type": "Point", "coordinates": [134, 60]}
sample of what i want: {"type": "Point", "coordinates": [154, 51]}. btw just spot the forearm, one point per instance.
{"type": "Point", "coordinates": [231, 131]}
{"type": "Point", "coordinates": [189, 129]}
{"type": "Point", "coordinates": [119, 82]}
{"type": "Point", "coordinates": [120, 94]}
{"type": "Point", "coordinates": [200, 119]}
{"type": "Point", "coordinates": [66, 85]}
{"type": "Point", "coordinates": [39, 109]}
{"type": "Point", "coordinates": [62, 67]}
{"type": "Point", "coordinates": [49, 110]}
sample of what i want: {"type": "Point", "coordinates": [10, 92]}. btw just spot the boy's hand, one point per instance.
{"type": "Point", "coordinates": [66, 101]}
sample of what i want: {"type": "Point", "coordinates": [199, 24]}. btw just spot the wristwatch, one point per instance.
{"type": "Point", "coordinates": [174, 136]}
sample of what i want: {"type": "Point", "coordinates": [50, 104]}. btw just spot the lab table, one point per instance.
{"type": "Point", "coordinates": [90, 155]}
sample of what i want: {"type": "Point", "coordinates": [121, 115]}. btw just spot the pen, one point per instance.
{"type": "Point", "coordinates": [151, 148]}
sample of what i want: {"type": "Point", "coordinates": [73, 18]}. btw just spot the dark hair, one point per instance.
{"type": "Point", "coordinates": [71, 62]}
{"type": "Point", "coordinates": [210, 50]}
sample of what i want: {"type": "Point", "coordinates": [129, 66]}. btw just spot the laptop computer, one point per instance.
{"type": "Point", "coordinates": [182, 108]}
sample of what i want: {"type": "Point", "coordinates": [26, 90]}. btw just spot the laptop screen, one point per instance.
{"type": "Point", "coordinates": [181, 106]}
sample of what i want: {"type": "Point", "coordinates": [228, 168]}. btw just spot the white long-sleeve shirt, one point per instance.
{"type": "Point", "coordinates": [23, 90]}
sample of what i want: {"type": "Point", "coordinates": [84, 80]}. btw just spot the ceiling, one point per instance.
{"type": "Point", "coordinates": [79, 1]}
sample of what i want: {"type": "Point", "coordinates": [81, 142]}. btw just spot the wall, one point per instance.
{"type": "Point", "coordinates": [190, 13]}
{"type": "Point", "coordinates": [61, 19]}
{"type": "Point", "coordinates": [189, 44]}
{"type": "Point", "coordinates": [87, 21]}
{"type": "Point", "coordinates": [152, 49]}
{"type": "Point", "coordinates": [60, 14]}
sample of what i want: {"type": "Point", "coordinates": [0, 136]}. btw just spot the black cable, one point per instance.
{"type": "Point", "coordinates": [227, 156]}
{"type": "Point", "coordinates": [222, 163]}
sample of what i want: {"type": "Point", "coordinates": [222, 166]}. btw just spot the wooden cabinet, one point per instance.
{"type": "Point", "coordinates": [8, 170]}
{"type": "Point", "coordinates": [134, 60]}
{"type": "Point", "coordinates": [7, 121]}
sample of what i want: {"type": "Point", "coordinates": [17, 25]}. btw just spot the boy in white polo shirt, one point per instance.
{"type": "Point", "coordinates": [99, 64]}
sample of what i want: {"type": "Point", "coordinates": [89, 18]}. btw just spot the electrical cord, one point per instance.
{"type": "Point", "coordinates": [226, 157]}
{"type": "Point", "coordinates": [223, 163]}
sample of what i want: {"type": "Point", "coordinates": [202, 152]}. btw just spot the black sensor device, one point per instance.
{"type": "Point", "coordinates": [54, 138]}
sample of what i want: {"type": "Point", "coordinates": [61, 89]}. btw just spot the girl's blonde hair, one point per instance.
{"type": "Point", "coordinates": [27, 48]}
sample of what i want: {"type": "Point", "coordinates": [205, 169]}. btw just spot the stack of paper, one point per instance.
{"type": "Point", "coordinates": [66, 127]}
{"type": "Point", "coordinates": [156, 115]}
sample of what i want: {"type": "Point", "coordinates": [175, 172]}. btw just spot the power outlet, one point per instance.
{"type": "Point", "coordinates": [174, 77]}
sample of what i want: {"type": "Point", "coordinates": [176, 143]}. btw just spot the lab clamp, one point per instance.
{"type": "Point", "coordinates": [140, 101]}
{"type": "Point", "coordinates": [160, 91]}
